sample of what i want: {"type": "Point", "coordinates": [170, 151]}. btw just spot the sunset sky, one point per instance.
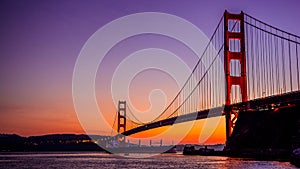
{"type": "Point", "coordinates": [41, 40]}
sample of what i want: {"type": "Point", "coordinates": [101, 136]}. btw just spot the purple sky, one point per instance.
{"type": "Point", "coordinates": [40, 41]}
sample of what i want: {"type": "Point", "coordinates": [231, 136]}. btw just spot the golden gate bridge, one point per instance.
{"type": "Point", "coordinates": [260, 71]}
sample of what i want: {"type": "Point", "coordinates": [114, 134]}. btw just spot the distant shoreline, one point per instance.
{"type": "Point", "coordinates": [52, 142]}
{"type": "Point", "coordinates": [57, 142]}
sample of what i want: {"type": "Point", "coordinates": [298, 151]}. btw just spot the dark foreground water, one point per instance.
{"type": "Point", "coordinates": [100, 160]}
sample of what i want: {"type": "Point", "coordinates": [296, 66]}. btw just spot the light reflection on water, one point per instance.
{"type": "Point", "coordinates": [76, 160]}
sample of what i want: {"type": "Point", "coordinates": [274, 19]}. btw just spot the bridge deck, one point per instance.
{"type": "Point", "coordinates": [276, 100]}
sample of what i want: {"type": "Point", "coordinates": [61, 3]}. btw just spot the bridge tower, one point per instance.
{"type": "Point", "coordinates": [122, 119]}
{"type": "Point", "coordinates": [241, 81]}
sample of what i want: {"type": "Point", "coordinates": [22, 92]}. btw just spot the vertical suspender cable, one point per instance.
{"type": "Point", "coordinates": [271, 63]}
{"type": "Point", "coordinates": [297, 59]}
{"type": "Point", "coordinates": [283, 64]}
{"type": "Point", "coordinates": [277, 70]}
{"type": "Point", "coordinates": [290, 64]}
{"type": "Point", "coordinates": [252, 62]}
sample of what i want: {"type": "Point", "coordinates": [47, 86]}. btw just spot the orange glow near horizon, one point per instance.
{"type": "Point", "coordinates": [37, 125]}
{"type": "Point", "coordinates": [192, 137]}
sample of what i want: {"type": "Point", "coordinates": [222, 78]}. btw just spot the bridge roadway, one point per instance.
{"type": "Point", "coordinates": [256, 104]}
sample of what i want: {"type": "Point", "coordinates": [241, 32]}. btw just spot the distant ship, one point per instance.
{"type": "Point", "coordinates": [192, 150]}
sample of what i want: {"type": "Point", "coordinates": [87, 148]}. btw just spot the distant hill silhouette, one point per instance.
{"type": "Point", "coordinates": [52, 142]}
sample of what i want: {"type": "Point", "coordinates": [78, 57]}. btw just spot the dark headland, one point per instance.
{"type": "Point", "coordinates": [264, 134]}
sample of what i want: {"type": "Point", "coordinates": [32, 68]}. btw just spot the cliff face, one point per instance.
{"type": "Point", "coordinates": [275, 131]}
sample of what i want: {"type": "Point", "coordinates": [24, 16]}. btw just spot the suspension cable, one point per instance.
{"type": "Point", "coordinates": [112, 129]}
